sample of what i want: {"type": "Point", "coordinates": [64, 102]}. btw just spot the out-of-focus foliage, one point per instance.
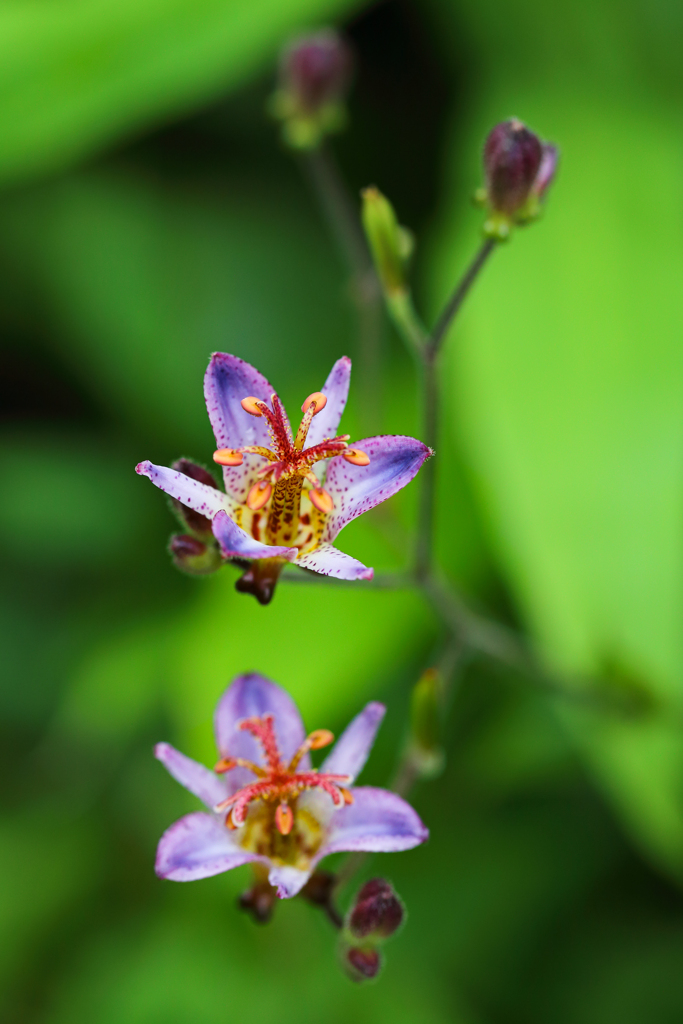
{"type": "Point", "coordinates": [546, 891]}
{"type": "Point", "coordinates": [571, 371]}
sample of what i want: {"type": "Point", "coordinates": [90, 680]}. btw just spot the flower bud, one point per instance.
{"type": "Point", "coordinates": [259, 901]}
{"type": "Point", "coordinates": [377, 912]}
{"type": "Point", "coordinates": [518, 168]}
{"type": "Point", "coordinates": [261, 578]}
{"type": "Point", "coordinates": [362, 963]}
{"type": "Point", "coordinates": [315, 73]}
{"type": "Point", "coordinates": [193, 556]}
{"type": "Point", "coordinates": [198, 525]}
{"type": "Point", "coordinates": [425, 724]}
{"type": "Point", "coordinates": [390, 244]}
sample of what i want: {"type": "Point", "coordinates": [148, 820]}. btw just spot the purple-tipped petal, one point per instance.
{"type": "Point", "coordinates": [236, 542]}
{"type": "Point", "coordinates": [329, 561]}
{"type": "Point", "coordinates": [198, 846]}
{"type": "Point", "coordinates": [377, 820]}
{"type": "Point", "coordinates": [227, 381]}
{"type": "Point", "coordinates": [200, 780]}
{"type": "Point", "coordinates": [353, 747]}
{"type": "Point", "coordinates": [200, 497]}
{"type": "Point", "coordinates": [394, 461]}
{"type": "Point", "coordinates": [336, 390]}
{"type": "Point", "coordinates": [253, 696]}
{"type": "Point", "coordinates": [288, 881]}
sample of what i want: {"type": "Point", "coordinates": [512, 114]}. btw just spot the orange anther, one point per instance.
{"type": "Point", "coordinates": [321, 499]}
{"type": "Point", "coordinates": [320, 402]}
{"type": "Point", "coordinates": [228, 820]}
{"type": "Point", "coordinates": [356, 457]}
{"type": "Point", "coordinates": [284, 819]}
{"type": "Point", "coordinates": [258, 495]}
{"type": "Point", "coordinates": [228, 457]}
{"type": "Point", "coordinates": [347, 794]}
{"type": "Point", "coordinates": [320, 738]}
{"type": "Point", "coordinates": [251, 405]}
{"type": "Point", "coordinates": [225, 764]}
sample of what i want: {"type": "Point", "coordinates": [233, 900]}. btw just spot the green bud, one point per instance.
{"type": "Point", "coordinates": [391, 245]}
{"type": "Point", "coordinates": [193, 556]}
{"type": "Point", "coordinates": [425, 723]}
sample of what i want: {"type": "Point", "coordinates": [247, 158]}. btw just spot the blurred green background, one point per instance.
{"type": "Point", "coordinates": [148, 216]}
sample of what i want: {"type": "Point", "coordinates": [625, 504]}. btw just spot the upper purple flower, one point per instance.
{"type": "Point", "coordinates": [275, 508]}
{"type": "Point", "coordinates": [281, 812]}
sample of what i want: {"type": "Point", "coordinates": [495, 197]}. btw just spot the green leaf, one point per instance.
{"type": "Point", "coordinates": [76, 74]}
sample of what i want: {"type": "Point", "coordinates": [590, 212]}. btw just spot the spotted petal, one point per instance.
{"type": "Point", "coordinates": [329, 561]}
{"type": "Point", "coordinates": [287, 880]}
{"type": "Point", "coordinates": [353, 747]}
{"type": "Point", "coordinates": [198, 846]}
{"type": "Point", "coordinates": [202, 498]}
{"type": "Point", "coordinates": [377, 820]}
{"type": "Point", "coordinates": [236, 542]}
{"type": "Point", "coordinates": [204, 783]}
{"type": "Point", "coordinates": [253, 696]}
{"type": "Point", "coordinates": [336, 390]}
{"type": "Point", "coordinates": [227, 381]}
{"type": "Point", "coordinates": [394, 461]}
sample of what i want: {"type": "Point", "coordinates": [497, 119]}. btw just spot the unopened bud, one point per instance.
{"type": "Point", "coordinates": [425, 724]}
{"type": "Point", "coordinates": [195, 522]}
{"type": "Point", "coordinates": [390, 244]}
{"type": "Point", "coordinates": [315, 73]}
{"type": "Point", "coordinates": [193, 556]}
{"type": "Point", "coordinates": [260, 579]}
{"type": "Point", "coordinates": [259, 902]}
{"type": "Point", "coordinates": [377, 912]}
{"type": "Point", "coordinates": [362, 963]}
{"type": "Point", "coordinates": [518, 168]}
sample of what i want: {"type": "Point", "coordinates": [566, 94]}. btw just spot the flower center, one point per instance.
{"type": "Point", "coordinates": [276, 826]}
{"type": "Point", "coordinates": [288, 466]}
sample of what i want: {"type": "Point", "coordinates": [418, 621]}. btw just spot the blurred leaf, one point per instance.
{"type": "Point", "coordinates": [77, 73]}
{"type": "Point", "coordinates": [569, 377]}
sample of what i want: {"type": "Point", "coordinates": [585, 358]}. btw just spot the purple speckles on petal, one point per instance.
{"type": "Point", "coordinates": [200, 497]}
{"type": "Point", "coordinates": [329, 561]}
{"type": "Point", "coordinates": [394, 461]}
{"type": "Point", "coordinates": [236, 542]}
{"type": "Point", "coordinates": [227, 381]}
{"type": "Point", "coordinates": [376, 820]}
{"type": "Point", "coordinates": [336, 390]}
{"type": "Point", "coordinates": [198, 846]}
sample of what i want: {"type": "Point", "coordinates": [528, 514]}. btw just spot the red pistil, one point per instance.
{"type": "Point", "coordinates": [279, 783]}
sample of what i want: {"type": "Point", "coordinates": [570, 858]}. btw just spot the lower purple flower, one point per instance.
{"type": "Point", "coordinates": [268, 805]}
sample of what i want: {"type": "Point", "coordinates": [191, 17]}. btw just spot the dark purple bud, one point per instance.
{"type": "Point", "coordinates": [259, 902]}
{"type": "Point", "coordinates": [316, 70]}
{"type": "Point", "coordinates": [260, 579]}
{"type": "Point", "coordinates": [512, 159]}
{"type": "Point", "coordinates": [362, 964]}
{"type": "Point", "coordinates": [377, 912]}
{"type": "Point", "coordinates": [193, 521]}
{"type": "Point", "coordinates": [194, 556]}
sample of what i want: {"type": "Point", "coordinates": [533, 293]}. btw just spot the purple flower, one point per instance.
{"type": "Point", "coordinates": [275, 508]}
{"type": "Point", "coordinates": [268, 805]}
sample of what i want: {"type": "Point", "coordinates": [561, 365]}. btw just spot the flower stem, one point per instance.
{"type": "Point", "coordinates": [342, 218]}
{"type": "Point", "coordinates": [430, 391]}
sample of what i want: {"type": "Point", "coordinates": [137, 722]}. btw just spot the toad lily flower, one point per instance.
{"type": "Point", "coordinates": [268, 806]}
{"type": "Point", "coordinates": [275, 508]}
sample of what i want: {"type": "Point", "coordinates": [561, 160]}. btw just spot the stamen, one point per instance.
{"type": "Point", "coordinates": [225, 764]}
{"type": "Point", "coordinates": [320, 499]}
{"type": "Point", "coordinates": [251, 405]}
{"type": "Point", "coordinates": [317, 739]}
{"type": "Point", "coordinates": [320, 402]}
{"type": "Point", "coordinates": [229, 822]}
{"type": "Point", "coordinates": [259, 495]}
{"type": "Point", "coordinates": [228, 457]}
{"type": "Point", "coordinates": [284, 819]}
{"type": "Point", "coordinates": [347, 794]}
{"type": "Point", "coordinates": [356, 457]}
